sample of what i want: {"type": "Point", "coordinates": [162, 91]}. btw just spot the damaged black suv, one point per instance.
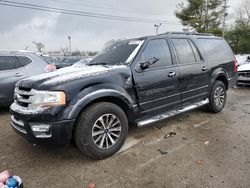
{"type": "Point", "coordinates": [138, 81]}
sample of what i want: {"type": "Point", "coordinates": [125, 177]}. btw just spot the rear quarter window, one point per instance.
{"type": "Point", "coordinates": [216, 49]}
{"type": "Point", "coordinates": [24, 60]}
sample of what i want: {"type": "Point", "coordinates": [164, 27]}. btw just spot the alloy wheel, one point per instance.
{"type": "Point", "coordinates": [106, 131]}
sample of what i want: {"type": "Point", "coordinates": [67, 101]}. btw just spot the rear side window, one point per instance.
{"type": "Point", "coordinates": [197, 54]}
{"type": "Point", "coordinates": [157, 48]}
{"type": "Point", "coordinates": [7, 63]}
{"type": "Point", "coordinates": [24, 60]}
{"type": "Point", "coordinates": [184, 51]}
{"type": "Point", "coordinates": [216, 49]}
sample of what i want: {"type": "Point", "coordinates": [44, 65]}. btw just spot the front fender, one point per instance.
{"type": "Point", "coordinates": [95, 92]}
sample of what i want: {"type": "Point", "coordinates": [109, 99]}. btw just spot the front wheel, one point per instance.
{"type": "Point", "coordinates": [218, 97]}
{"type": "Point", "coordinates": [101, 130]}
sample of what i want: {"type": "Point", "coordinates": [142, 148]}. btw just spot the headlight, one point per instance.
{"type": "Point", "coordinates": [44, 99]}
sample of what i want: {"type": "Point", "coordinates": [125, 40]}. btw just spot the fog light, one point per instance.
{"type": "Point", "coordinates": [41, 130]}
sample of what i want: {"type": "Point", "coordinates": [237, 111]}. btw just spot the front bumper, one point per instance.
{"type": "Point", "coordinates": [59, 132]}
{"type": "Point", "coordinates": [244, 78]}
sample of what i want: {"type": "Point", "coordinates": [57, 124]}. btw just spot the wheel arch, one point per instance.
{"type": "Point", "coordinates": [220, 75]}
{"type": "Point", "coordinates": [121, 99]}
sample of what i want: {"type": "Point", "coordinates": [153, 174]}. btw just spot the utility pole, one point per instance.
{"type": "Point", "coordinates": [157, 27]}
{"type": "Point", "coordinates": [225, 14]}
{"type": "Point", "coordinates": [69, 37]}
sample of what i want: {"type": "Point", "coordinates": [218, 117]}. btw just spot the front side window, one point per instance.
{"type": "Point", "coordinates": [116, 53]}
{"type": "Point", "coordinates": [157, 48]}
{"type": "Point", "coordinates": [7, 63]}
{"type": "Point", "coordinates": [184, 51]}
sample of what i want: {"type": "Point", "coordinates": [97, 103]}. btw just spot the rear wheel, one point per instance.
{"type": "Point", "coordinates": [218, 97]}
{"type": "Point", "coordinates": [101, 130]}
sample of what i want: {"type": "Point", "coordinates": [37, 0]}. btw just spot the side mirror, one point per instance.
{"type": "Point", "coordinates": [146, 65]}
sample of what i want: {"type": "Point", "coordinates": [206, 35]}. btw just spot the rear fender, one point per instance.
{"type": "Point", "coordinates": [218, 73]}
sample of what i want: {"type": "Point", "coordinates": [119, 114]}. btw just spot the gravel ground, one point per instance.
{"type": "Point", "coordinates": [208, 150]}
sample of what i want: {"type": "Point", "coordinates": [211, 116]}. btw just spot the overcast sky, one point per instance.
{"type": "Point", "coordinates": [19, 27]}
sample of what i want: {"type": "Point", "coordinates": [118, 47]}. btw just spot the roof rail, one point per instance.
{"type": "Point", "coordinates": [189, 33]}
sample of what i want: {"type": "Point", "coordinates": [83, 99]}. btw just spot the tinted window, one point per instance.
{"type": "Point", "coordinates": [216, 49]}
{"type": "Point", "coordinates": [7, 63]}
{"type": "Point", "coordinates": [195, 51]}
{"type": "Point", "coordinates": [24, 60]}
{"type": "Point", "coordinates": [184, 51]}
{"type": "Point", "coordinates": [157, 48]}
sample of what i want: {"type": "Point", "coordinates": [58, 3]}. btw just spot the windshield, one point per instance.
{"type": "Point", "coordinates": [116, 53]}
{"type": "Point", "coordinates": [82, 63]}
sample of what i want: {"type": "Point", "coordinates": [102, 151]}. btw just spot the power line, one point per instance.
{"type": "Point", "coordinates": [111, 8]}
{"type": "Point", "coordinates": [80, 13]}
{"type": "Point", "coordinates": [117, 5]}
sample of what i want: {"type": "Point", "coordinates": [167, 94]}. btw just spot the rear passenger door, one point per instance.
{"type": "Point", "coordinates": [11, 71]}
{"type": "Point", "coordinates": [194, 73]}
{"type": "Point", "coordinates": [158, 85]}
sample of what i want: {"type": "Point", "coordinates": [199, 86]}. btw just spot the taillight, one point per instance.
{"type": "Point", "coordinates": [50, 68]}
{"type": "Point", "coordinates": [235, 65]}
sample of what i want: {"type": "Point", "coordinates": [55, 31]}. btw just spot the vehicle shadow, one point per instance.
{"type": "Point", "coordinates": [4, 110]}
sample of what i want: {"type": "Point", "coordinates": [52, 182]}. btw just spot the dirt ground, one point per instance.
{"type": "Point", "coordinates": [208, 150]}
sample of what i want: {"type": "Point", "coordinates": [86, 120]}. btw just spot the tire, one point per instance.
{"type": "Point", "coordinates": [92, 132]}
{"type": "Point", "coordinates": [218, 97]}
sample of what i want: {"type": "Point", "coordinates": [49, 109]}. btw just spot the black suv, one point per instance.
{"type": "Point", "coordinates": [138, 81]}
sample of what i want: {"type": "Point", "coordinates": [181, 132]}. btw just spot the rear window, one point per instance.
{"type": "Point", "coordinates": [216, 49]}
{"type": "Point", "coordinates": [7, 63]}
{"type": "Point", "coordinates": [24, 60]}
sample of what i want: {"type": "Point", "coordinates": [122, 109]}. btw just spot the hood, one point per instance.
{"type": "Point", "coordinates": [66, 75]}
{"type": "Point", "coordinates": [245, 67]}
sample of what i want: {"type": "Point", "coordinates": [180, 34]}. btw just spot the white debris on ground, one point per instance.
{"type": "Point", "coordinates": [242, 58]}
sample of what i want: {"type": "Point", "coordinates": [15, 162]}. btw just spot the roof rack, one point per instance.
{"type": "Point", "coordinates": [189, 33]}
{"type": "Point", "coordinates": [16, 51]}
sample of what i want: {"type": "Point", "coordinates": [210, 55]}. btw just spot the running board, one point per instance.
{"type": "Point", "coordinates": [166, 115]}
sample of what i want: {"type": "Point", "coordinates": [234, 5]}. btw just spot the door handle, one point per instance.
{"type": "Point", "coordinates": [171, 74]}
{"type": "Point", "coordinates": [204, 69]}
{"type": "Point", "coordinates": [18, 74]}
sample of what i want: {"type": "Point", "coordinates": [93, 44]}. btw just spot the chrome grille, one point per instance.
{"type": "Point", "coordinates": [22, 96]}
{"type": "Point", "coordinates": [244, 73]}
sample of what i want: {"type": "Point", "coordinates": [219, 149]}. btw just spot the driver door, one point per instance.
{"type": "Point", "coordinates": [157, 85]}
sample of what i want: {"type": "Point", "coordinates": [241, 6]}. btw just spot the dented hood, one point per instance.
{"type": "Point", "coordinates": [68, 74]}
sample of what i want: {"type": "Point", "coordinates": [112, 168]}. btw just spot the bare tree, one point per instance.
{"type": "Point", "coordinates": [65, 51]}
{"type": "Point", "coordinates": [242, 15]}
{"type": "Point", "coordinates": [38, 45]}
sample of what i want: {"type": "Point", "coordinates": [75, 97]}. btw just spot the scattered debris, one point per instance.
{"type": "Point", "coordinates": [200, 124]}
{"type": "Point", "coordinates": [7, 181]}
{"type": "Point", "coordinates": [162, 152]}
{"type": "Point", "coordinates": [207, 142]}
{"type": "Point", "coordinates": [170, 135]}
{"type": "Point", "coordinates": [184, 138]}
{"type": "Point", "coordinates": [233, 108]}
{"type": "Point", "coordinates": [199, 162]}
{"type": "Point", "coordinates": [91, 185]}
